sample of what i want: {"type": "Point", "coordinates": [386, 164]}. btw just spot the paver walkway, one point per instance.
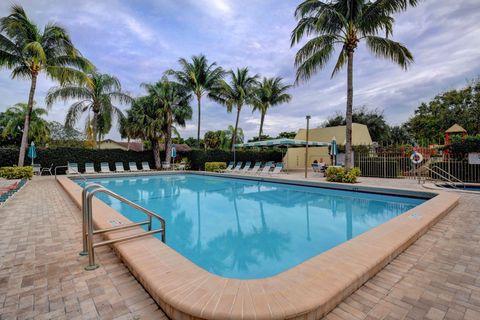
{"type": "Point", "coordinates": [41, 273]}
{"type": "Point", "coordinates": [42, 276]}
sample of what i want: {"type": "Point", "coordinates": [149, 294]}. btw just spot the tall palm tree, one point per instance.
{"type": "Point", "coordinates": [227, 137]}
{"type": "Point", "coordinates": [269, 93]}
{"type": "Point", "coordinates": [97, 96]}
{"type": "Point", "coordinates": [147, 122]}
{"type": "Point", "coordinates": [345, 23]}
{"type": "Point", "coordinates": [235, 94]}
{"type": "Point", "coordinates": [199, 77]}
{"type": "Point", "coordinates": [12, 123]}
{"type": "Point", "coordinates": [29, 51]}
{"type": "Point", "coordinates": [174, 99]}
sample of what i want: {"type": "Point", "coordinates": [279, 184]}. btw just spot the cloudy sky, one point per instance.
{"type": "Point", "coordinates": [138, 40]}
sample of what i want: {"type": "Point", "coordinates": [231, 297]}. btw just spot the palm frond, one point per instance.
{"type": "Point", "coordinates": [75, 111]}
{"type": "Point", "coordinates": [342, 59]}
{"type": "Point", "coordinates": [65, 93]}
{"type": "Point", "coordinates": [389, 49]}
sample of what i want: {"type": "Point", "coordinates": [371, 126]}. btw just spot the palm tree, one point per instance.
{"type": "Point", "coordinates": [235, 94]}
{"type": "Point", "coordinates": [29, 51]}
{"type": "Point", "coordinates": [269, 93]}
{"type": "Point", "coordinates": [146, 120]}
{"type": "Point", "coordinates": [13, 123]}
{"type": "Point", "coordinates": [199, 77]}
{"type": "Point", "coordinates": [174, 99]}
{"type": "Point", "coordinates": [95, 96]}
{"type": "Point", "coordinates": [346, 23]}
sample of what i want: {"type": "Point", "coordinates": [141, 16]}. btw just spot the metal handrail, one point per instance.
{"type": "Point", "coordinates": [449, 175]}
{"type": "Point", "coordinates": [85, 204]}
{"type": "Point", "coordinates": [89, 224]}
{"type": "Point", "coordinates": [445, 178]}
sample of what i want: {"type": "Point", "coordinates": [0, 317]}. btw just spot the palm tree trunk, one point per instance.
{"type": "Point", "coordinates": [96, 138]}
{"type": "Point", "coordinates": [348, 116]}
{"type": "Point", "coordinates": [262, 118]}
{"type": "Point", "coordinates": [199, 97]}
{"type": "Point", "coordinates": [234, 136]}
{"type": "Point", "coordinates": [156, 153]}
{"type": "Point", "coordinates": [168, 138]}
{"type": "Point", "coordinates": [26, 125]}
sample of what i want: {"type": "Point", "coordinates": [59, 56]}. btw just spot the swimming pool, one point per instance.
{"type": "Point", "coordinates": [247, 229]}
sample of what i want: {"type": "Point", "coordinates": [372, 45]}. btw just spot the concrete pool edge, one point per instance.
{"type": "Point", "coordinates": [313, 288]}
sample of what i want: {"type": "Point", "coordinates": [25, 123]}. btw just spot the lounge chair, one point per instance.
{"type": "Point", "coordinates": [133, 166]}
{"type": "Point", "coordinates": [89, 168]}
{"type": "Point", "coordinates": [246, 168]}
{"type": "Point", "coordinates": [166, 165]}
{"type": "Point", "coordinates": [105, 167]}
{"type": "Point", "coordinates": [119, 167]}
{"type": "Point", "coordinates": [255, 168]}
{"type": "Point", "coordinates": [230, 167]}
{"type": "Point", "coordinates": [146, 166]}
{"type": "Point", "coordinates": [47, 170]}
{"type": "Point", "coordinates": [72, 168]}
{"type": "Point", "coordinates": [37, 169]}
{"type": "Point", "coordinates": [237, 167]}
{"type": "Point", "coordinates": [267, 167]}
{"type": "Point", "coordinates": [278, 168]}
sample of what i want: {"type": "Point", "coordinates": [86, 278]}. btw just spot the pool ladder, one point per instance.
{"type": "Point", "coordinates": [449, 178]}
{"type": "Point", "coordinates": [88, 232]}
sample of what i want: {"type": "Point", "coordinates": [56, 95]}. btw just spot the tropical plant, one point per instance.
{"type": "Point", "coordinates": [232, 135]}
{"type": "Point", "coordinates": [97, 96]}
{"type": "Point", "coordinates": [147, 121]}
{"type": "Point", "coordinates": [212, 139]}
{"type": "Point", "coordinates": [58, 132]}
{"type": "Point", "coordinates": [374, 119]}
{"type": "Point", "coordinates": [28, 51]}
{"type": "Point", "coordinates": [235, 94]}
{"type": "Point", "coordinates": [346, 23]}
{"type": "Point", "coordinates": [13, 121]}
{"type": "Point", "coordinates": [269, 93]}
{"type": "Point", "coordinates": [174, 101]}
{"type": "Point", "coordinates": [199, 77]}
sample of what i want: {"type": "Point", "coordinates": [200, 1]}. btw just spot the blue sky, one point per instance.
{"type": "Point", "coordinates": [138, 40]}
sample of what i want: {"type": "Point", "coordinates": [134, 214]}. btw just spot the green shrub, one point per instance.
{"type": "Point", "coordinates": [339, 174]}
{"type": "Point", "coordinates": [215, 166]}
{"type": "Point", "coordinates": [16, 172]}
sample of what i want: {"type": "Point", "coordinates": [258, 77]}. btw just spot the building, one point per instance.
{"type": "Point", "coordinates": [111, 144]}
{"type": "Point", "coordinates": [295, 158]}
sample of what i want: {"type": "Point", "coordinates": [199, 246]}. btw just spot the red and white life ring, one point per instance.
{"type": "Point", "coordinates": [416, 158]}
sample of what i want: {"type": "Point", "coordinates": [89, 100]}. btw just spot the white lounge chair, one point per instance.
{"type": "Point", "coordinates": [255, 168]}
{"type": "Point", "coordinates": [237, 167]}
{"type": "Point", "coordinates": [119, 167]}
{"type": "Point", "coordinates": [267, 167]}
{"type": "Point", "coordinates": [47, 170]}
{"type": "Point", "coordinates": [105, 167]}
{"type": "Point", "coordinates": [133, 166]}
{"type": "Point", "coordinates": [166, 165]}
{"type": "Point", "coordinates": [230, 167]}
{"type": "Point", "coordinates": [246, 168]}
{"type": "Point", "coordinates": [89, 168]}
{"type": "Point", "coordinates": [72, 168]}
{"type": "Point", "coordinates": [278, 168]}
{"type": "Point", "coordinates": [146, 166]}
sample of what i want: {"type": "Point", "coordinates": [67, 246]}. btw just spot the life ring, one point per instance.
{"type": "Point", "coordinates": [416, 157]}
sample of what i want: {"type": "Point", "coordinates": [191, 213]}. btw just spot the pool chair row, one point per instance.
{"type": "Point", "coordinates": [72, 167]}
{"type": "Point", "coordinates": [258, 168]}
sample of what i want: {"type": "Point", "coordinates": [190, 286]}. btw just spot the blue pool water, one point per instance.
{"type": "Point", "coordinates": [248, 229]}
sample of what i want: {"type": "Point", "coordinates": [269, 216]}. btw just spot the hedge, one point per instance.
{"type": "Point", "coordinates": [215, 166]}
{"type": "Point", "coordinates": [16, 172]}
{"type": "Point", "coordinates": [61, 156]}
{"type": "Point", "coordinates": [197, 158]}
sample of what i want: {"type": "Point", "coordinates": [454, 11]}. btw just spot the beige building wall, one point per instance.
{"type": "Point", "coordinates": [295, 157]}
{"type": "Point", "coordinates": [111, 145]}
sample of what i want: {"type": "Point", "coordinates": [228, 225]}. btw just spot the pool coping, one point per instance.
{"type": "Point", "coordinates": [311, 289]}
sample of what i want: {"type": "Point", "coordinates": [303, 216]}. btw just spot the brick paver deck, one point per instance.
{"type": "Point", "coordinates": [42, 276]}
{"type": "Point", "coordinates": [41, 273]}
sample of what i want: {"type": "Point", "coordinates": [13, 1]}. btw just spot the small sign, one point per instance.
{"type": "Point", "coordinates": [474, 158]}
